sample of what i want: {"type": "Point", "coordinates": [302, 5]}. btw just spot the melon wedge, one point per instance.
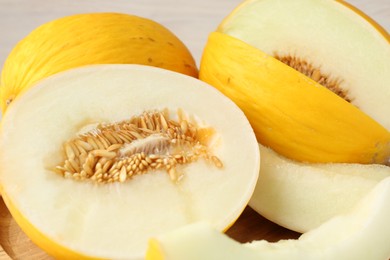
{"type": "Point", "coordinates": [291, 110]}
{"type": "Point", "coordinates": [75, 215]}
{"type": "Point", "coordinates": [363, 233]}
{"type": "Point", "coordinates": [313, 78]}
{"type": "Point", "coordinates": [302, 196]}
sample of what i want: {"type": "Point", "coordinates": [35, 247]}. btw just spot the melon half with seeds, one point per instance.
{"type": "Point", "coordinates": [96, 160]}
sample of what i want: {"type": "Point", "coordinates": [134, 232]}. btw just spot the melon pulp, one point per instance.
{"type": "Point", "coordinates": [281, 68]}
{"type": "Point", "coordinates": [92, 38]}
{"type": "Point", "coordinates": [362, 233]}
{"type": "Point", "coordinates": [73, 217]}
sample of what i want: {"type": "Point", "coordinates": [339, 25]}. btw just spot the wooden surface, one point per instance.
{"type": "Point", "coordinates": [191, 21]}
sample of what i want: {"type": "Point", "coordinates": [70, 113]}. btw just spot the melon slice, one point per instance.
{"type": "Point", "coordinates": [363, 233]}
{"type": "Point", "coordinates": [177, 152]}
{"type": "Point", "coordinates": [302, 196]}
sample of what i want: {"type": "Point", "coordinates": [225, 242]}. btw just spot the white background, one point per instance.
{"type": "Point", "coordinates": [190, 20]}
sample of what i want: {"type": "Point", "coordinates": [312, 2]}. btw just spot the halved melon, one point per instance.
{"type": "Point", "coordinates": [96, 160]}
{"type": "Point", "coordinates": [362, 233]}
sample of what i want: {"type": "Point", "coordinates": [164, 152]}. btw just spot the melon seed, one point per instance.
{"type": "Point", "coordinates": [309, 70]}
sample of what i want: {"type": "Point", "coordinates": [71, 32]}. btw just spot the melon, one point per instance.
{"type": "Point", "coordinates": [302, 196]}
{"type": "Point", "coordinates": [91, 38]}
{"type": "Point", "coordinates": [97, 160]}
{"type": "Point", "coordinates": [313, 77]}
{"type": "Point", "coordinates": [361, 233]}
{"type": "Point", "coordinates": [315, 90]}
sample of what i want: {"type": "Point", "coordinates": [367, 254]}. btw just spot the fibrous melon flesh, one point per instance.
{"type": "Point", "coordinates": [91, 38]}
{"type": "Point", "coordinates": [96, 160]}
{"type": "Point", "coordinates": [360, 234]}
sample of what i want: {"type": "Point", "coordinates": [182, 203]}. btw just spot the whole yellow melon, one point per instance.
{"type": "Point", "coordinates": [85, 39]}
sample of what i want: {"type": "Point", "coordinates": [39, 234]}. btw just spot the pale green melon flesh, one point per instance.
{"type": "Point", "coordinates": [115, 220]}
{"type": "Point", "coordinates": [327, 34]}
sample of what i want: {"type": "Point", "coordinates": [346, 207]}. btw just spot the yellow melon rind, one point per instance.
{"type": "Point", "coordinates": [268, 92]}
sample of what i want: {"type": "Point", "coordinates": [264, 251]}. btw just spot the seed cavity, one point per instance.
{"type": "Point", "coordinates": [306, 68]}
{"type": "Point", "coordinates": [8, 101]}
{"type": "Point", "coordinates": [152, 141]}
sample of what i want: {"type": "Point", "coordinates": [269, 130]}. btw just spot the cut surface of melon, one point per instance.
{"type": "Point", "coordinates": [330, 36]}
{"type": "Point", "coordinates": [114, 220]}
{"type": "Point", "coordinates": [362, 233]}
{"type": "Point", "coordinates": [302, 196]}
